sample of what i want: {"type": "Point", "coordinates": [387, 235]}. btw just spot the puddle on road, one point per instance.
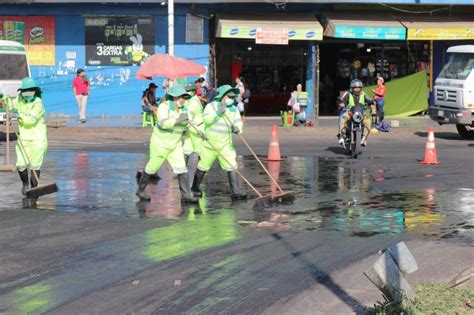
{"type": "Point", "coordinates": [355, 197]}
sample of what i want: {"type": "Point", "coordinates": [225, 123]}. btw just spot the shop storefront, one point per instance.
{"type": "Point", "coordinates": [365, 46]}
{"type": "Point", "coordinates": [271, 52]}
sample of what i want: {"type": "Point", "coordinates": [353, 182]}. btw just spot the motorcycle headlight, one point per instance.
{"type": "Point", "coordinates": [357, 117]}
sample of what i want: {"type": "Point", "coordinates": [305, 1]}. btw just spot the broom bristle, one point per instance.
{"type": "Point", "coordinates": [41, 191]}
{"type": "Point", "coordinates": [284, 198]}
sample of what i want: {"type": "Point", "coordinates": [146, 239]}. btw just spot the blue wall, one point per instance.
{"type": "Point", "coordinates": [117, 92]}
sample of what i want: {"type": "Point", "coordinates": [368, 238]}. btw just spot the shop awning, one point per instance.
{"type": "Point", "coordinates": [362, 25]}
{"type": "Point", "coordinates": [298, 26]}
{"type": "Point", "coordinates": [439, 28]}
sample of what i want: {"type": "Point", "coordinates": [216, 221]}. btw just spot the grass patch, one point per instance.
{"type": "Point", "coordinates": [431, 299]}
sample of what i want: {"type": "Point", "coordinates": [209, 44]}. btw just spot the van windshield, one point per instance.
{"type": "Point", "coordinates": [458, 67]}
{"type": "Point", "coordinates": [13, 67]}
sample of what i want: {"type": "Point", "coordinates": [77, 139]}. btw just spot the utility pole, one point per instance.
{"type": "Point", "coordinates": [171, 27]}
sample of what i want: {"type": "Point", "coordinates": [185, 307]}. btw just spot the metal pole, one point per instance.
{"type": "Point", "coordinates": [316, 93]}
{"type": "Point", "coordinates": [171, 27]}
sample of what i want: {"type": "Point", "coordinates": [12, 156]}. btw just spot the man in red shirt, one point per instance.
{"type": "Point", "coordinates": [81, 88]}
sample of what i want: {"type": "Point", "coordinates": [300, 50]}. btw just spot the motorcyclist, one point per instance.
{"type": "Point", "coordinates": [355, 96]}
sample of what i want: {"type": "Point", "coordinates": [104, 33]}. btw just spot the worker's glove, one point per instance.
{"type": "Point", "coordinates": [182, 117]}
{"type": "Point", "coordinates": [235, 130]}
{"type": "Point", "coordinates": [220, 110]}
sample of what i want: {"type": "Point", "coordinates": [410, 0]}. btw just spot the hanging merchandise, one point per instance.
{"type": "Point", "coordinates": [371, 68]}
{"type": "Point", "coordinates": [344, 68]}
{"type": "Point", "coordinates": [393, 70]}
{"type": "Point", "coordinates": [385, 66]}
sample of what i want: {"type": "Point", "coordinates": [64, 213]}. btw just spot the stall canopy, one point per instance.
{"type": "Point", "coordinates": [297, 26]}
{"type": "Point", "coordinates": [363, 25]}
{"type": "Point", "coordinates": [439, 28]}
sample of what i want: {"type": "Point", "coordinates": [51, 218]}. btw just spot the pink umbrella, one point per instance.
{"type": "Point", "coordinates": [170, 67]}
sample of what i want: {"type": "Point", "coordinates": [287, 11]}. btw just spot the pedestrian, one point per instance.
{"type": "Point", "coordinates": [201, 89]}
{"type": "Point", "coordinates": [166, 145]}
{"type": "Point", "coordinates": [192, 141]}
{"type": "Point", "coordinates": [221, 119]}
{"type": "Point", "coordinates": [167, 84]}
{"type": "Point", "coordinates": [81, 87]}
{"type": "Point", "coordinates": [243, 97]}
{"type": "Point", "coordinates": [302, 101]}
{"type": "Point", "coordinates": [149, 98]}
{"type": "Point", "coordinates": [32, 128]}
{"type": "Point", "coordinates": [379, 97]}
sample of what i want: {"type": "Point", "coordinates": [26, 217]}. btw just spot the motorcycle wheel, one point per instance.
{"type": "Point", "coordinates": [355, 146]}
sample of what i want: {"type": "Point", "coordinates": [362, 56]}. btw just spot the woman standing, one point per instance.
{"type": "Point", "coordinates": [33, 134]}
{"type": "Point", "coordinates": [242, 98]}
{"type": "Point", "coordinates": [379, 95]}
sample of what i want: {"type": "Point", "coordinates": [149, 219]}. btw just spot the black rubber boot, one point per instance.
{"type": "Point", "coordinates": [141, 193]}
{"type": "Point", "coordinates": [186, 195]}
{"type": "Point", "coordinates": [24, 180]}
{"type": "Point", "coordinates": [197, 182]}
{"type": "Point", "coordinates": [234, 186]}
{"type": "Point", "coordinates": [186, 159]}
{"type": "Point", "coordinates": [33, 181]}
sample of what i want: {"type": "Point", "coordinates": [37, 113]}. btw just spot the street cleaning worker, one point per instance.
{"type": "Point", "coordinates": [166, 143]}
{"type": "Point", "coordinates": [33, 135]}
{"type": "Point", "coordinates": [192, 141]}
{"type": "Point", "coordinates": [355, 96]}
{"type": "Point", "coordinates": [218, 131]}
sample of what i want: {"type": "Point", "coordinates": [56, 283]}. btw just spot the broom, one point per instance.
{"type": "Point", "coordinates": [38, 191]}
{"type": "Point", "coordinates": [262, 201]}
{"type": "Point", "coordinates": [282, 197]}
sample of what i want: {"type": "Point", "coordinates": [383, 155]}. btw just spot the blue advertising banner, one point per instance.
{"type": "Point", "coordinates": [369, 32]}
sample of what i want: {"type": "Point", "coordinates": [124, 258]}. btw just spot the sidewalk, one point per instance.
{"type": "Point", "coordinates": [437, 262]}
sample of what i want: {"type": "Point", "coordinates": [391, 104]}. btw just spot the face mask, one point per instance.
{"type": "Point", "coordinates": [229, 101]}
{"type": "Point", "coordinates": [28, 95]}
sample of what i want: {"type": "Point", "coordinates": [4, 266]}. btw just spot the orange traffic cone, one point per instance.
{"type": "Point", "coordinates": [274, 148]}
{"type": "Point", "coordinates": [274, 169]}
{"type": "Point", "coordinates": [430, 149]}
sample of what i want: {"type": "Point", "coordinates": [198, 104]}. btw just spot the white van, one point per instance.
{"type": "Point", "coordinates": [13, 68]}
{"type": "Point", "coordinates": [454, 91]}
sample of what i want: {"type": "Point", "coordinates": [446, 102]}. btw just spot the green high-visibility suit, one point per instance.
{"type": "Point", "coordinates": [33, 131]}
{"type": "Point", "coordinates": [218, 130]}
{"type": "Point", "coordinates": [192, 141]}
{"type": "Point", "coordinates": [166, 140]}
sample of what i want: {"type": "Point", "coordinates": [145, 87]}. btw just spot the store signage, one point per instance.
{"type": "Point", "coordinates": [294, 32]}
{"type": "Point", "coordinates": [194, 29]}
{"type": "Point", "coordinates": [36, 33]}
{"type": "Point", "coordinates": [271, 36]}
{"type": "Point", "coordinates": [119, 40]}
{"type": "Point", "coordinates": [440, 33]}
{"type": "Point", "coordinates": [368, 32]}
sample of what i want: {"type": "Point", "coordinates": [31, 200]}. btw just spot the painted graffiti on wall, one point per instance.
{"type": "Point", "coordinates": [119, 40]}
{"type": "Point", "coordinates": [36, 33]}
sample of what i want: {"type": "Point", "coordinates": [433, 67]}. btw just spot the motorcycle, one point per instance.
{"type": "Point", "coordinates": [355, 133]}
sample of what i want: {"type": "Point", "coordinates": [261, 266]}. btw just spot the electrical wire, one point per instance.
{"type": "Point", "coordinates": [416, 12]}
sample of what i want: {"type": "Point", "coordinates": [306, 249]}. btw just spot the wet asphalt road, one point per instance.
{"type": "Point", "coordinates": [92, 248]}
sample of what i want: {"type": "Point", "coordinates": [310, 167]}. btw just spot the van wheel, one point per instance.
{"type": "Point", "coordinates": [466, 132]}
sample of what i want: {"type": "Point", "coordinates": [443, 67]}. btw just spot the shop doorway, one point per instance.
{"type": "Point", "coordinates": [270, 71]}
{"type": "Point", "coordinates": [345, 60]}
